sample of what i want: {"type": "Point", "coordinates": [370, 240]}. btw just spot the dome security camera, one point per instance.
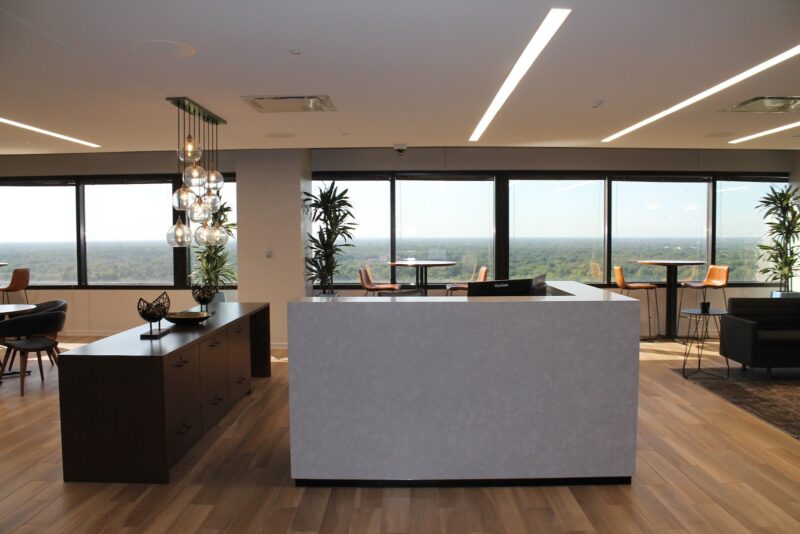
{"type": "Point", "coordinates": [399, 149]}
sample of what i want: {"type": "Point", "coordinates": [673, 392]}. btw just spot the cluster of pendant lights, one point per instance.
{"type": "Point", "coordinates": [199, 195]}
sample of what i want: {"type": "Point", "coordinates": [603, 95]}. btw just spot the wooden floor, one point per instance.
{"type": "Point", "coordinates": [702, 466]}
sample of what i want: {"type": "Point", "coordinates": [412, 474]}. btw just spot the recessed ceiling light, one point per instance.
{"type": "Point", "coordinates": [281, 135]}
{"type": "Point", "coordinates": [550, 25]}
{"type": "Point", "coordinates": [296, 52]}
{"type": "Point", "coordinates": [161, 48]}
{"type": "Point", "coordinates": [765, 132]}
{"type": "Point", "coordinates": [708, 92]}
{"type": "Point", "coordinates": [47, 132]}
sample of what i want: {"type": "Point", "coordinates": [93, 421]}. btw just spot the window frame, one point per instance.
{"type": "Point", "coordinates": [180, 255]}
{"type": "Point", "coordinates": [501, 208]}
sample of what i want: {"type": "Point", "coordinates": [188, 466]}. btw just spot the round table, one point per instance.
{"type": "Point", "coordinates": [672, 289]}
{"type": "Point", "coordinates": [10, 310]}
{"type": "Point", "coordinates": [421, 268]}
{"type": "Point", "coordinates": [698, 337]}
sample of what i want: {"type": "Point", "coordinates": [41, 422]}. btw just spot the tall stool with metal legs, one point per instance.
{"type": "Point", "coordinates": [716, 278]}
{"type": "Point", "coordinates": [619, 276]}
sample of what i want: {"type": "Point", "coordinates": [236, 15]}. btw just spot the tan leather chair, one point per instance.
{"type": "Point", "coordinates": [483, 274]}
{"type": "Point", "coordinates": [371, 287]}
{"type": "Point", "coordinates": [20, 279]}
{"type": "Point", "coordinates": [623, 285]}
{"type": "Point", "coordinates": [716, 278]}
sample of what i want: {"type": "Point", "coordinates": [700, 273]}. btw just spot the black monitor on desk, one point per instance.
{"type": "Point", "coordinates": [508, 288]}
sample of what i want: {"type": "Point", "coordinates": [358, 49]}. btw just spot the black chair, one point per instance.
{"type": "Point", "coordinates": [762, 332]}
{"type": "Point", "coordinates": [50, 306]}
{"type": "Point", "coordinates": [31, 333]}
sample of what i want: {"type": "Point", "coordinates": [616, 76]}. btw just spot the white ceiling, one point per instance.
{"type": "Point", "coordinates": [419, 72]}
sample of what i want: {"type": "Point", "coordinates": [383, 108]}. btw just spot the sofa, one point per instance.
{"type": "Point", "coordinates": [762, 332]}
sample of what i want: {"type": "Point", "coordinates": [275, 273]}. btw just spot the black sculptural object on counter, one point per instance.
{"type": "Point", "coordinates": [203, 295]}
{"type": "Point", "coordinates": [153, 312]}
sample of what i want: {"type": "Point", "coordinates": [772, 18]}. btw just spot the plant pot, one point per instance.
{"type": "Point", "coordinates": [785, 295]}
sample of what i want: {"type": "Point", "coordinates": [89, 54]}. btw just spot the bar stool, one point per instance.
{"type": "Point", "coordinates": [623, 285]}
{"type": "Point", "coordinates": [716, 278]}
{"type": "Point", "coordinates": [20, 279]}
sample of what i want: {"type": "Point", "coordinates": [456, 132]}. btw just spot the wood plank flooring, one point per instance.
{"type": "Point", "coordinates": [703, 465]}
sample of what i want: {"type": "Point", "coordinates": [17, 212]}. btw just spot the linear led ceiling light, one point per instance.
{"type": "Point", "coordinates": [792, 52]}
{"type": "Point", "coordinates": [47, 132]}
{"type": "Point", "coordinates": [765, 132]}
{"type": "Point", "coordinates": [550, 25]}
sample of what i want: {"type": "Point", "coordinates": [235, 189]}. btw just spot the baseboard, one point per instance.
{"type": "Point", "coordinates": [469, 483]}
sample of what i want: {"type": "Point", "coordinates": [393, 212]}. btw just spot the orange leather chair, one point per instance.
{"type": "Point", "coordinates": [716, 278]}
{"type": "Point", "coordinates": [619, 276]}
{"type": "Point", "coordinates": [483, 274]}
{"type": "Point", "coordinates": [371, 287]}
{"type": "Point", "coordinates": [20, 279]}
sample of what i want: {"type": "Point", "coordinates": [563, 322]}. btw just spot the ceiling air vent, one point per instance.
{"type": "Point", "coordinates": [290, 104]}
{"type": "Point", "coordinates": [767, 104]}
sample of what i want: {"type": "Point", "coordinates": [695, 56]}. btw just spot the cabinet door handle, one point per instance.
{"type": "Point", "coordinates": [216, 401]}
{"type": "Point", "coordinates": [184, 429]}
{"type": "Point", "coordinates": [181, 363]}
{"type": "Point", "coordinates": [240, 379]}
{"type": "Point", "coordinates": [237, 331]}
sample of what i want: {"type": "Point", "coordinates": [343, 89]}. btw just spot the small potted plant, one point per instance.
{"type": "Point", "coordinates": [212, 270]}
{"type": "Point", "coordinates": [781, 212]}
{"type": "Point", "coordinates": [331, 213]}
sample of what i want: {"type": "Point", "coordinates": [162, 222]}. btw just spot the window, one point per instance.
{"type": "Point", "coordinates": [125, 227]}
{"type": "Point", "coordinates": [659, 220]}
{"type": "Point", "coordinates": [371, 239]}
{"type": "Point", "coordinates": [557, 227]}
{"type": "Point", "coordinates": [228, 196]}
{"type": "Point", "coordinates": [39, 233]}
{"type": "Point", "coordinates": [445, 220]}
{"type": "Point", "coordinates": [740, 228]}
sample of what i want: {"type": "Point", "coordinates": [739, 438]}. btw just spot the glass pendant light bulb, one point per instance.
{"type": "Point", "coordinates": [198, 212]}
{"type": "Point", "coordinates": [215, 179]}
{"type": "Point", "coordinates": [183, 198]}
{"type": "Point", "coordinates": [203, 235]}
{"type": "Point", "coordinates": [219, 236]}
{"type": "Point", "coordinates": [212, 201]}
{"type": "Point", "coordinates": [191, 151]}
{"type": "Point", "coordinates": [179, 235]}
{"type": "Point", "coordinates": [195, 176]}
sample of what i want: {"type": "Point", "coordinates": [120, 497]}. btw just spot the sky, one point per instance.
{"type": "Point", "coordinates": [538, 208]}
{"type": "Point", "coordinates": [554, 208]}
{"type": "Point", "coordinates": [114, 212]}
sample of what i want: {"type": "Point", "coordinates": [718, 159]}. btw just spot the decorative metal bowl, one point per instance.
{"type": "Point", "coordinates": [203, 294]}
{"type": "Point", "coordinates": [154, 311]}
{"type": "Point", "coordinates": [188, 318]}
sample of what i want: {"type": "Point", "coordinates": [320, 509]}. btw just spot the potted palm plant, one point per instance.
{"type": "Point", "coordinates": [212, 270]}
{"type": "Point", "coordinates": [781, 212]}
{"type": "Point", "coordinates": [331, 213]}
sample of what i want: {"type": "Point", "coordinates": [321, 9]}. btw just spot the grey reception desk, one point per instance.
{"type": "Point", "coordinates": [418, 390]}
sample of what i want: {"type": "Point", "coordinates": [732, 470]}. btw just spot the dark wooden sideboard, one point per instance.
{"type": "Point", "coordinates": [130, 408]}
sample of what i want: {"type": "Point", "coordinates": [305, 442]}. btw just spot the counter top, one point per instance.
{"type": "Point", "coordinates": [127, 343]}
{"type": "Point", "coordinates": [572, 292]}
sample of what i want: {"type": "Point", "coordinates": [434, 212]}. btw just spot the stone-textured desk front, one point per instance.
{"type": "Point", "coordinates": [457, 388]}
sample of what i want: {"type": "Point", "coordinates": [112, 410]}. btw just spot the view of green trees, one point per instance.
{"type": "Point", "coordinates": [109, 263]}
{"type": "Point", "coordinates": [150, 262]}
{"type": "Point", "coordinates": [562, 259]}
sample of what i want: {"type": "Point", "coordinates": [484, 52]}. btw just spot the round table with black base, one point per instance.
{"type": "Point", "coordinates": [672, 289]}
{"type": "Point", "coordinates": [8, 311]}
{"type": "Point", "coordinates": [421, 268]}
{"type": "Point", "coordinates": [698, 334]}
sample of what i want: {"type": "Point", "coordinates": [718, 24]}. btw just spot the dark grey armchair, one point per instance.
{"type": "Point", "coordinates": [762, 332]}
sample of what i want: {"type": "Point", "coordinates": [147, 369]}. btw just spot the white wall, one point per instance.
{"type": "Point", "coordinates": [270, 217]}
